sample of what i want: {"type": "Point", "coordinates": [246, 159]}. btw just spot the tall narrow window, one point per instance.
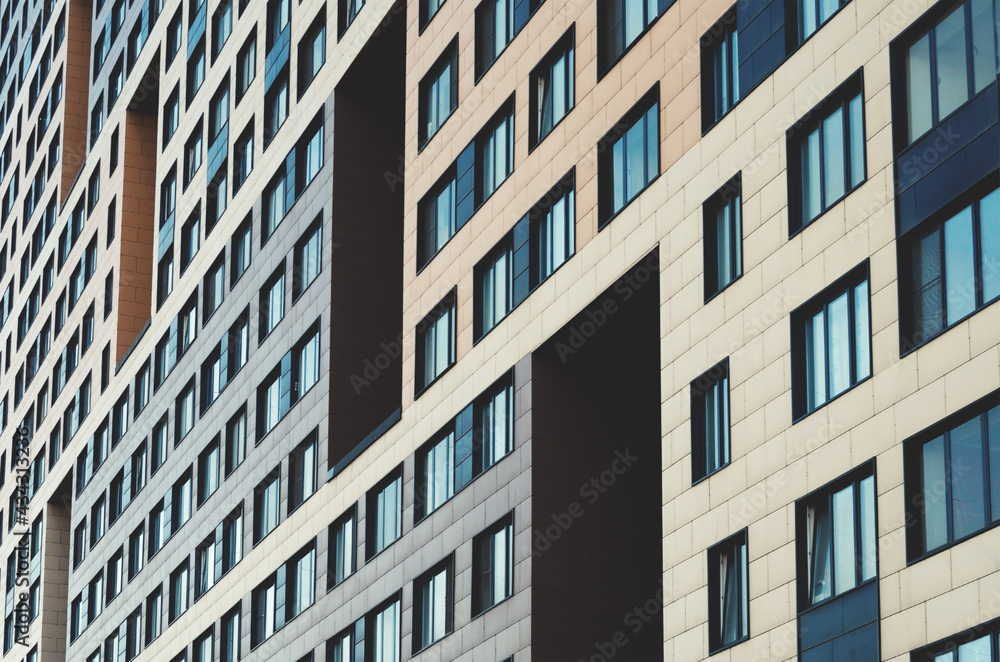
{"type": "Point", "coordinates": [272, 302]}
{"type": "Point", "coordinates": [551, 89]}
{"type": "Point", "coordinates": [728, 596]}
{"type": "Point", "coordinates": [302, 472]}
{"type": "Point", "coordinates": [723, 238]}
{"type": "Point", "coordinates": [552, 230]}
{"type": "Point", "coordinates": [495, 153]}
{"type": "Point", "coordinates": [494, 279]}
{"type": "Point", "coordinates": [721, 69]}
{"type": "Point", "coordinates": [266, 500]}
{"type": "Point", "coordinates": [208, 471]}
{"type": "Point", "coordinates": [710, 421]}
{"type": "Point", "coordinates": [343, 549]}
{"type": "Point", "coordinates": [436, 342]}
{"type": "Point", "coordinates": [312, 52]}
{"type": "Point", "coordinates": [383, 623]}
{"type": "Point", "coordinates": [236, 438]}
{"type": "Point", "coordinates": [436, 474]}
{"type": "Point", "coordinates": [438, 222]}
{"type": "Point", "coordinates": [384, 514]}
{"type": "Point", "coordinates": [230, 635]}
{"type": "Point", "coordinates": [439, 93]}
{"type": "Point", "coordinates": [826, 154]}
{"type": "Point", "coordinates": [493, 565]}
{"type": "Point", "coordinates": [630, 159]}
{"type": "Point", "coordinates": [433, 605]}
{"type": "Point", "coordinates": [497, 23]}
{"type": "Point", "coordinates": [308, 252]}
{"type": "Point", "coordinates": [241, 244]}
{"type": "Point", "coordinates": [831, 342]}
{"type": "Point", "coordinates": [246, 65]}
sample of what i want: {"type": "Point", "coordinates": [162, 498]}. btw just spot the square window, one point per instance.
{"type": "Point", "coordinates": [439, 93]}
{"type": "Point", "coordinates": [710, 421]}
{"type": "Point", "coordinates": [384, 513]}
{"type": "Point", "coordinates": [433, 605]}
{"type": "Point", "coordinates": [436, 342]}
{"type": "Point", "coordinates": [630, 158]}
{"type": "Point", "coordinates": [552, 89]}
{"type": "Point", "coordinates": [831, 343]}
{"type": "Point", "coordinates": [728, 597]}
{"type": "Point", "coordinates": [723, 238]}
{"type": "Point", "coordinates": [826, 154]}
{"type": "Point", "coordinates": [493, 565]}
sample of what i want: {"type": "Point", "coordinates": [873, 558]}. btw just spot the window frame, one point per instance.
{"type": "Point", "coordinates": [565, 47]}
{"type": "Point", "coordinates": [606, 174]}
{"type": "Point", "coordinates": [728, 198]}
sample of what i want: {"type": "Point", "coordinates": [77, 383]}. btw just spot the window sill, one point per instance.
{"type": "Point", "coordinates": [463, 488]}
{"type": "Point", "coordinates": [906, 348]}
{"type": "Point", "coordinates": [722, 289]}
{"type": "Point", "coordinates": [792, 232]}
{"type": "Point", "coordinates": [800, 417]}
{"type": "Point", "coordinates": [423, 389]}
{"type": "Point", "coordinates": [428, 139]}
{"type": "Point", "coordinates": [601, 225]}
{"type": "Point", "coordinates": [951, 545]}
{"type": "Point", "coordinates": [702, 479]}
{"type": "Point", "coordinates": [369, 559]}
{"type": "Point", "coordinates": [541, 139]}
{"type": "Point", "coordinates": [492, 606]}
{"type": "Point", "coordinates": [724, 647]}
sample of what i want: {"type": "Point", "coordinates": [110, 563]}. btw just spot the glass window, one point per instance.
{"type": "Point", "coordinates": [342, 549]}
{"type": "Point", "coordinates": [243, 157]}
{"type": "Point", "coordinates": [274, 204]}
{"type": "Point", "coordinates": [190, 239]}
{"type": "Point", "coordinates": [439, 93]}
{"type": "Point", "coordinates": [174, 37]}
{"type": "Point", "coordinates": [436, 465]}
{"type": "Point", "coordinates": [495, 280]}
{"type": "Point", "coordinates": [433, 605]}
{"type": "Point", "coordinates": [949, 269]}
{"type": "Point", "coordinates": [215, 286]}
{"type": "Point", "coordinates": [553, 230]}
{"type": "Point", "coordinates": [222, 26]}
{"type": "Point", "coordinates": [275, 107]}
{"type": "Point", "coordinates": [829, 154]}
{"type": "Point", "coordinates": [721, 68]}
{"type": "Point", "coordinates": [302, 573]}
{"type": "Point", "coordinates": [710, 421]}
{"type": "Point", "coordinates": [308, 256]}
{"type": "Point", "coordinates": [208, 471]}
{"type": "Point", "coordinates": [428, 9]}
{"type": "Point", "coordinates": [171, 115]}
{"type": "Point", "coordinates": [263, 604]}
{"type": "Point", "coordinates": [551, 89]}
{"type": "Point", "coordinates": [437, 219]}
{"type": "Point", "coordinates": [497, 23]}
{"type": "Point", "coordinates": [185, 412]}
{"type": "Point", "coordinates": [312, 52]}
{"type": "Point", "coordinates": [385, 519]}
{"type": "Point", "coordinates": [620, 23]}
{"type": "Point", "coordinates": [495, 154]}
{"type": "Point", "coordinates": [348, 11]}
{"type": "Point", "coordinates": [814, 13]}
{"type": "Point", "coordinates": [436, 342]}
{"type": "Point", "coordinates": [633, 160]}
{"type": "Point", "coordinates": [193, 155]}
{"type": "Point", "coordinates": [236, 436]}
{"type": "Point", "coordinates": [178, 592]}
{"type": "Point", "coordinates": [203, 649]}
{"type": "Point", "coordinates": [302, 472]}
{"type": "Point", "coordinates": [728, 597]}
{"type": "Point", "coordinates": [246, 65]}
{"type": "Point", "coordinates": [154, 615]}
{"type": "Point", "coordinates": [493, 565]}
{"type": "Point", "coordinates": [723, 238]}
{"type": "Point", "coordinates": [831, 343]}
{"type": "Point", "coordinates": [196, 71]}
{"type": "Point", "coordinates": [204, 566]}
{"type": "Point", "coordinates": [218, 117]}
{"type": "Point", "coordinates": [272, 302]}
{"type": "Point", "coordinates": [230, 633]}
{"type": "Point", "coordinates": [953, 480]}
{"type": "Point", "coordinates": [266, 501]}
{"type": "Point", "coordinates": [840, 536]}
{"type": "Point", "coordinates": [385, 630]}
{"type": "Point", "coordinates": [949, 64]}
{"type": "Point", "coordinates": [241, 249]}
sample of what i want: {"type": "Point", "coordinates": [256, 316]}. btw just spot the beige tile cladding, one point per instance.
{"type": "Point", "coordinates": [774, 462]}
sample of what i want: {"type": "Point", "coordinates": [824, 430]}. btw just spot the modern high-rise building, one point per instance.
{"type": "Point", "coordinates": [500, 330]}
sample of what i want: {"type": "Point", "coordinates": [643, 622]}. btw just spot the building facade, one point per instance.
{"type": "Point", "coordinates": [378, 330]}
